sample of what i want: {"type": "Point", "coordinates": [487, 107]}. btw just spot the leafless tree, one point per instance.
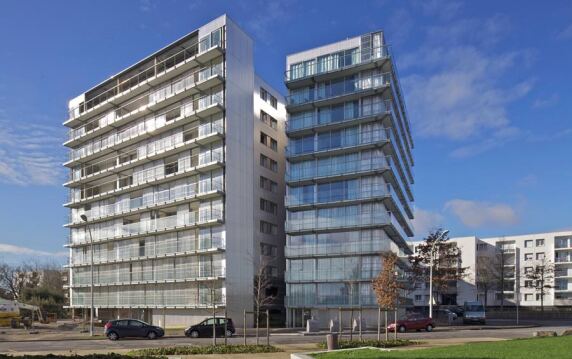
{"type": "Point", "coordinates": [541, 277]}
{"type": "Point", "coordinates": [15, 278]}
{"type": "Point", "coordinates": [262, 282]}
{"type": "Point", "coordinates": [488, 277]}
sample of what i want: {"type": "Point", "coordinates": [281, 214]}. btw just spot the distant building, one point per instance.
{"type": "Point", "coordinates": [515, 255]}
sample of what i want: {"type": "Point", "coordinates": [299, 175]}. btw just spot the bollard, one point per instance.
{"type": "Point", "coordinates": [332, 341]}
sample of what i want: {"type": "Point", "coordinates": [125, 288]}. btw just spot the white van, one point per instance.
{"type": "Point", "coordinates": [474, 313]}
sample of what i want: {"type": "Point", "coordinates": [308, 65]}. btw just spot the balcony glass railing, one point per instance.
{"type": "Point", "coordinates": [134, 253]}
{"type": "Point", "coordinates": [374, 246]}
{"type": "Point", "coordinates": [347, 87]}
{"type": "Point", "coordinates": [358, 192]}
{"type": "Point", "coordinates": [345, 221]}
{"type": "Point", "coordinates": [335, 62]}
{"type": "Point", "coordinates": [313, 120]}
{"type": "Point", "coordinates": [156, 147]}
{"type": "Point", "coordinates": [199, 217]}
{"type": "Point", "coordinates": [343, 140]}
{"type": "Point", "coordinates": [142, 102]}
{"type": "Point", "coordinates": [167, 196]}
{"type": "Point", "coordinates": [318, 275]}
{"type": "Point", "coordinates": [338, 168]}
{"type": "Point", "coordinates": [194, 271]}
{"type": "Point", "coordinates": [153, 71]}
{"type": "Point", "coordinates": [147, 176]}
{"type": "Point", "coordinates": [331, 300]}
{"type": "Point", "coordinates": [160, 297]}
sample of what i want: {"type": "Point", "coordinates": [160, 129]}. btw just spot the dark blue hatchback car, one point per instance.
{"type": "Point", "coordinates": [132, 328]}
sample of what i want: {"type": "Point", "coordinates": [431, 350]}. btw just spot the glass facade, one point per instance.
{"type": "Point", "coordinates": [348, 174]}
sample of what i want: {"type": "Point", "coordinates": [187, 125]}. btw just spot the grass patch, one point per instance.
{"type": "Point", "coordinates": [347, 344]}
{"type": "Point", "coordinates": [537, 348]}
{"type": "Point", "coordinates": [210, 349]}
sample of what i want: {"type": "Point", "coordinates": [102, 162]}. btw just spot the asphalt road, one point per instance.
{"type": "Point", "coordinates": [104, 345]}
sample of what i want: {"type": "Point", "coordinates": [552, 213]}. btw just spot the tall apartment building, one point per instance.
{"type": "Point", "coordinates": [176, 166]}
{"type": "Point", "coordinates": [510, 257]}
{"type": "Point", "coordinates": [349, 177]}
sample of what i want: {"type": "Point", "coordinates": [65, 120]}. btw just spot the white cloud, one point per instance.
{"type": "Point", "coordinates": [17, 250]}
{"type": "Point", "coordinates": [566, 33]}
{"type": "Point", "coordinates": [476, 214]}
{"type": "Point", "coordinates": [27, 154]}
{"type": "Point", "coordinates": [546, 102]}
{"type": "Point", "coordinates": [426, 221]}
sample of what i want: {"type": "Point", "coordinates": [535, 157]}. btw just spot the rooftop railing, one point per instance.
{"type": "Point", "coordinates": [335, 62]}
{"type": "Point", "coordinates": [345, 87]}
{"type": "Point", "coordinates": [146, 74]}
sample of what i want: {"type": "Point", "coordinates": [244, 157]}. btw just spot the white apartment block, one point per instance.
{"type": "Point", "coordinates": [177, 163]}
{"type": "Point", "coordinates": [517, 255]}
{"type": "Point", "coordinates": [350, 177]}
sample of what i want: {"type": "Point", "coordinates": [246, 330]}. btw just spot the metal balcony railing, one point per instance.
{"type": "Point", "coordinates": [340, 300]}
{"type": "Point", "coordinates": [154, 148]}
{"type": "Point", "coordinates": [307, 250]}
{"type": "Point", "coordinates": [346, 87]}
{"type": "Point", "coordinates": [335, 62]}
{"type": "Point", "coordinates": [153, 71]}
{"type": "Point", "coordinates": [343, 221]}
{"type": "Point", "coordinates": [338, 168]}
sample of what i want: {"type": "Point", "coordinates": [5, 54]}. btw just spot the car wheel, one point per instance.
{"type": "Point", "coordinates": [112, 336]}
{"type": "Point", "coordinates": [194, 334]}
{"type": "Point", "coordinates": [429, 328]}
{"type": "Point", "coordinates": [402, 329]}
{"type": "Point", "coordinates": [228, 333]}
{"type": "Point", "coordinates": [151, 335]}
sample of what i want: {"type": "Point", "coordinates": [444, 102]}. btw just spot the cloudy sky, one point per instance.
{"type": "Point", "coordinates": [487, 85]}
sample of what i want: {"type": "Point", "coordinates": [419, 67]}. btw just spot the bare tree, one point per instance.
{"type": "Point", "coordinates": [487, 276]}
{"type": "Point", "coordinates": [541, 278]}
{"type": "Point", "coordinates": [262, 282]}
{"type": "Point", "coordinates": [15, 278]}
{"type": "Point", "coordinates": [447, 265]}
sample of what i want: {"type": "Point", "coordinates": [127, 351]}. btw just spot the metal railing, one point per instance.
{"type": "Point", "coordinates": [313, 120]}
{"type": "Point", "coordinates": [330, 300]}
{"type": "Point", "coordinates": [108, 232]}
{"type": "Point", "coordinates": [140, 103]}
{"type": "Point", "coordinates": [158, 198]}
{"type": "Point", "coordinates": [149, 298]}
{"type": "Point", "coordinates": [154, 70]}
{"type": "Point", "coordinates": [151, 149]}
{"type": "Point", "coordinates": [326, 64]}
{"type": "Point", "coordinates": [339, 168]}
{"type": "Point", "coordinates": [136, 178]}
{"type": "Point", "coordinates": [346, 87]}
{"type": "Point", "coordinates": [372, 246]}
{"type": "Point", "coordinates": [343, 221]}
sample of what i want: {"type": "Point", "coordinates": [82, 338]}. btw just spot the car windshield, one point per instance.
{"type": "Point", "coordinates": [474, 308]}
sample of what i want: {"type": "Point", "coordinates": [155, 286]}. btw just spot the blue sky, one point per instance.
{"type": "Point", "coordinates": [487, 84]}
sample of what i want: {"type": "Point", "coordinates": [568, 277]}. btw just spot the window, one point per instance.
{"type": "Point", "coordinates": [539, 295]}
{"type": "Point", "coordinates": [528, 284]}
{"type": "Point", "coordinates": [539, 256]}
{"type": "Point", "coordinates": [268, 250]}
{"type": "Point", "coordinates": [528, 243]}
{"type": "Point", "coordinates": [268, 98]}
{"type": "Point", "coordinates": [268, 141]}
{"type": "Point", "coordinates": [528, 297]}
{"type": "Point", "coordinates": [481, 246]}
{"type": "Point", "coordinates": [142, 248]}
{"type": "Point", "coordinates": [268, 206]}
{"type": "Point", "coordinates": [418, 297]}
{"type": "Point", "coordinates": [268, 228]}
{"type": "Point", "coordinates": [268, 184]}
{"type": "Point", "coordinates": [269, 120]}
{"type": "Point", "coordinates": [528, 269]}
{"type": "Point", "coordinates": [268, 163]}
{"type": "Point", "coordinates": [273, 101]}
{"type": "Point", "coordinates": [528, 256]}
{"type": "Point", "coordinates": [540, 242]}
{"type": "Point", "coordinates": [263, 94]}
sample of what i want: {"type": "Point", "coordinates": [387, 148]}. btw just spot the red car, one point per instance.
{"type": "Point", "coordinates": [414, 322]}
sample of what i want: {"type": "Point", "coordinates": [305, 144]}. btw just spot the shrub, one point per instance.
{"type": "Point", "coordinates": [347, 344]}
{"type": "Point", "coordinates": [210, 349]}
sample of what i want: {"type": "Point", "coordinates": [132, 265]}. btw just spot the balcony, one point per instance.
{"type": "Point", "coordinates": [348, 89]}
{"type": "Point", "coordinates": [159, 298]}
{"type": "Point", "coordinates": [146, 104]}
{"type": "Point", "coordinates": [315, 70]}
{"type": "Point", "coordinates": [190, 138]}
{"type": "Point", "coordinates": [198, 218]}
{"type": "Point", "coordinates": [316, 250]}
{"type": "Point", "coordinates": [343, 143]}
{"type": "Point", "coordinates": [331, 301]}
{"type": "Point", "coordinates": [184, 273]}
{"type": "Point", "coordinates": [199, 53]}
{"type": "Point", "coordinates": [158, 200]}
{"type": "Point", "coordinates": [160, 174]}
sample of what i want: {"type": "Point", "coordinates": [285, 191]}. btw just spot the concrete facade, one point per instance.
{"type": "Point", "coordinates": [165, 166]}
{"type": "Point", "coordinates": [349, 177]}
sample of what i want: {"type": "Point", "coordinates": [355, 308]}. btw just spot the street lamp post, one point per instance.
{"type": "Point", "coordinates": [432, 254]}
{"type": "Point", "coordinates": [84, 218]}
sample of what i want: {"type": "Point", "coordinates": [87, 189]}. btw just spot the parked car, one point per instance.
{"type": "Point", "coordinates": [458, 310]}
{"type": "Point", "coordinates": [126, 328]}
{"type": "Point", "coordinates": [445, 314]}
{"type": "Point", "coordinates": [474, 313]}
{"type": "Point", "coordinates": [205, 328]}
{"type": "Point", "coordinates": [414, 322]}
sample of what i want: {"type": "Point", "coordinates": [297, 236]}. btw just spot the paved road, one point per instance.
{"type": "Point", "coordinates": [106, 345]}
